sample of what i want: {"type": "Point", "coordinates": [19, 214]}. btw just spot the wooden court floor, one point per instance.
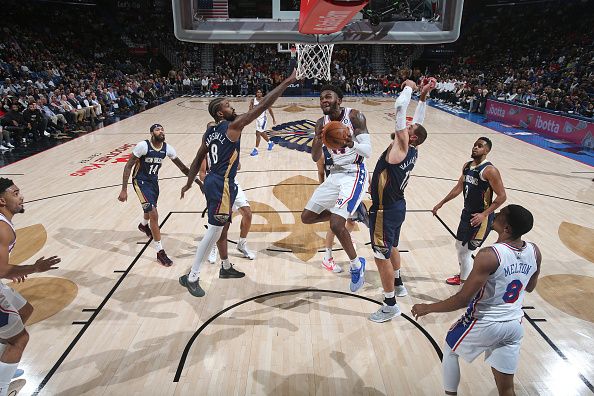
{"type": "Point", "coordinates": [111, 320]}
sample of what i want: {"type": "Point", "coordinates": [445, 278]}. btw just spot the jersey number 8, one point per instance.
{"type": "Point", "coordinates": [512, 292]}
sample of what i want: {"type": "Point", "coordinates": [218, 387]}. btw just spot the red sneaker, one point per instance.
{"type": "Point", "coordinates": [163, 259]}
{"type": "Point", "coordinates": [454, 280]}
{"type": "Point", "coordinates": [146, 229]}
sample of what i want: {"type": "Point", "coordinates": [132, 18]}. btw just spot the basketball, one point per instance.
{"type": "Point", "coordinates": [334, 135]}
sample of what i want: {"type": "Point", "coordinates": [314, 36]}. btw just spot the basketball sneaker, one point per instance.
{"type": "Point", "coordinates": [242, 247]}
{"type": "Point", "coordinates": [385, 313]}
{"type": "Point", "coordinates": [254, 152]}
{"type": "Point", "coordinates": [212, 256]}
{"type": "Point", "coordinates": [193, 287]}
{"type": "Point", "coordinates": [358, 276]}
{"type": "Point", "coordinates": [163, 259]}
{"type": "Point", "coordinates": [399, 288]}
{"type": "Point", "coordinates": [361, 214]}
{"type": "Point", "coordinates": [454, 280]}
{"type": "Point", "coordinates": [270, 145]}
{"type": "Point", "coordinates": [146, 229]}
{"type": "Point", "coordinates": [230, 273]}
{"type": "Point", "coordinates": [330, 265]}
{"type": "Point", "coordinates": [19, 372]}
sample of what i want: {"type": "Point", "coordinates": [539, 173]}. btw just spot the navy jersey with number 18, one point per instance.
{"type": "Point", "coordinates": [223, 154]}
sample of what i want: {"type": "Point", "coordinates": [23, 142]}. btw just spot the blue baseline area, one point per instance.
{"type": "Point", "coordinates": [567, 149]}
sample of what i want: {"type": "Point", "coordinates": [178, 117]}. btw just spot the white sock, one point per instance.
{"type": "Point", "coordinates": [6, 372]}
{"type": "Point", "coordinates": [465, 260]}
{"type": "Point", "coordinates": [226, 264]}
{"type": "Point", "coordinates": [158, 246]}
{"type": "Point", "coordinates": [450, 369]}
{"type": "Point", "coordinates": [397, 274]}
{"type": "Point", "coordinates": [355, 263]}
{"type": "Point", "coordinates": [389, 294]}
{"type": "Point", "coordinates": [204, 247]}
{"type": "Point", "coordinates": [144, 221]}
{"type": "Point", "coordinates": [242, 241]}
{"type": "Point", "coordinates": [328, 254]}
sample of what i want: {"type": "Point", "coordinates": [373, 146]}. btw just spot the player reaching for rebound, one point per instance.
{"type": "Point", "coordinates": [147, 158]}
{"type": "Point", "coordinates": [388, 208]}
{"type": "Point", "coordinates": [340, 195]}
{"type": "Point", "coordinates": [221, 143]}
{"type": "Point", "coordinates": [261, 124]}
{"type": "Point", "coordinates": [492, 324]}
{"type": "Point", "coordinates": [478, 181]}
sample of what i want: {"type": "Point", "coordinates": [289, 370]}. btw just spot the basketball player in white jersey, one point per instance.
{"type": "Point", "coordinates": [261, 123]}
{"type": "Point", "coordinates": [501, 275]}
{"type": "Point", "coordinates": [14, 309]}
{"type": "Point", "coordinates": [339, 196]}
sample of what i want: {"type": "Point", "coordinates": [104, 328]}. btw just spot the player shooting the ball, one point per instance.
{"type": "Point", "coordinates": [340, 195]}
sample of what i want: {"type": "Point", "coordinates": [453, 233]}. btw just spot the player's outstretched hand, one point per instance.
{"type": "Point", "coordinates": [123, 197]}
{"type": "Point", "coordinates": [184, 189]}
{"type": "Point", "coordinates": [419, 310]}
{"type": "Point", "coordinates": [19, 279]}
{"type": "Point", "coordinates": [45, 264]}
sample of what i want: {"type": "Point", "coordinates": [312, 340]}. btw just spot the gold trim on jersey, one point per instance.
{"type": "Point", "coordinates": [378, 230]}
{"type": "Point", "coordinates": [225, 206]}
{"type": "Point", "coordinates": [141, 196]}
{"type": "Point", "coordinates": [381, 184]}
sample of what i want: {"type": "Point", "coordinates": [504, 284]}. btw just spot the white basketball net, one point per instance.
{"type": "Point", "coordinates": [313, 60]}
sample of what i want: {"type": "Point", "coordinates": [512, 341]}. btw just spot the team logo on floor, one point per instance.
{"type": "Point", "coordinates": [294, 135]}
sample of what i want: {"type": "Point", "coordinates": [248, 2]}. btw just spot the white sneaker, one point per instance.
{"type": "Point", "coordinates": [401, 291]}
{"type": "Point", "coordinates": [330, 265]}
{"type": "Point", "coordinates": [46, 133]}
{"type": "Point", "coordinates": [9, 145]}
{"type": "Point", "coordinates": [3, 148]}
{"type": "Point", "coordinates": [242, 247]}
{"type": "Point", "coordinates": [212, 256]}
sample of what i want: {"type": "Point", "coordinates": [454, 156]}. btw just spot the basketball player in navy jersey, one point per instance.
{"type": "Point", "coordinates": [340, 196]}
{"type": "Point", "coordinates": [388, 208]}
{"type": "Point", "coordinates": [494, 293]}
{"type": "Point", "coordinates": [146, 160]}
{"type": "Point", "coordinates": [478, 181]}
{"type": "Point", "coordinates": [14, 309]}
{"type": "Point", "coordinates": [261, 124]}
{"type": "Point", "coordinates": [221, 143]}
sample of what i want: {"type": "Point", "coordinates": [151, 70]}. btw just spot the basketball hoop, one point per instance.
{"type": "Point", "coordinates": [313, 61]}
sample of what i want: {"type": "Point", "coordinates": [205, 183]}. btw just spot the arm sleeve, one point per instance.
{"type": "Point", "coordinates": [419, 117]}
{"type": "Point", "coordinates": [140, 149]}
{"type": "Point", "coordinates": [362, 145]}
{"type": "Point", "coordinates": [401, 105]}
{"type": "Point", "coordinates": [171, 153]}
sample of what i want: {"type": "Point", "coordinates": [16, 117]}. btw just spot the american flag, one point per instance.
{"type": "Point", "coordinates": [210, 9]}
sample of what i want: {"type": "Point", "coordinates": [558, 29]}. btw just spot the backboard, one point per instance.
{"type": "Point", "coordinates": [275, 21]}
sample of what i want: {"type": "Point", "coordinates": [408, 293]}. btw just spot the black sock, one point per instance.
{"type": "Point", "coordinates": [391, 301]}
{"type": "Point", "coordinates": [398, 282]}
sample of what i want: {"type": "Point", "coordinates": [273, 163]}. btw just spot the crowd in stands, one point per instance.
{"type": "Point", "coordinates": [533, 54]}
{"type": "Point", "coordinates": [56, 81]}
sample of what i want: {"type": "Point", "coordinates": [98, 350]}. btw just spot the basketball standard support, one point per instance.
{"type": "Point", "coordinates": [444, 29]}
{"type": "Point", "coordinates": [327, 16]}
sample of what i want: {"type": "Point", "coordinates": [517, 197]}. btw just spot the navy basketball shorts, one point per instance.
{"type": "Point", "coordinates": [473, 236]}
{"type": "Point", "coordinates": [148, 193]}
{"type": "Point", "coordinates": [220, 195]}
{"type": "Point", "coordinates": [384, 228]}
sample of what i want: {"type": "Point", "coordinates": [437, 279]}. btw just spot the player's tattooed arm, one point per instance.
{"type": "Point", "coordinates": [316, 144]}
